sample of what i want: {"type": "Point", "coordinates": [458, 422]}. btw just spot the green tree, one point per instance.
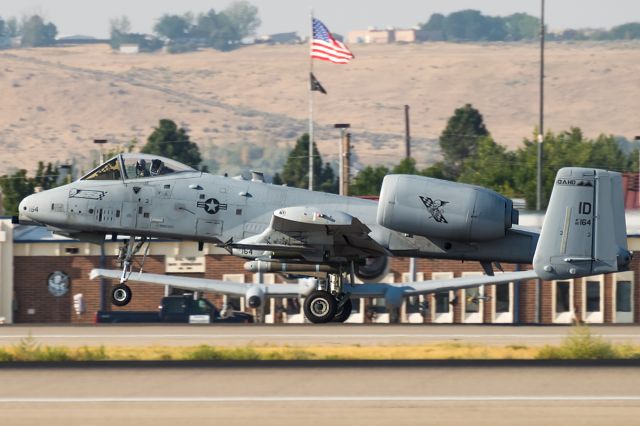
{"type": "Point", "coordinates": [296, 169]}
{"type": "Point", "coordinates": [11, 27]}
{"type": "Point", "coordinates": [368, 181]}
{"type": "Point", "coordinates": [435, 23]}
{"type": "Point", "coordinates": [522, 26]}
{"type": "Point", "coordinates": [46, 176]}
{"type": "Point", "coordinates": [35, 32]}
{"type": "Point", "coordinates": [406, 166]}
{"type": "Point", "coordinates": [459, 139]}
{"type": "Point", "coordinates": [569, 148]}
{"type": "Point", "coordinates": [120, 24]}
{"type": "Point", "coordinates": [170, 141]}
{"type": "Point", "coordinates": [173, 27]}
{"type": "Point", "coordinates": [244, 17]}
{"type": "Point", "coordinates": [630, 31]}
{"type": "Point", "coordinates": [15, 187]}
{"type": "Point", "coordinates": [471, 25]}
{"type": "Point", "coordinates": [490, 166]}
{"type": "Point", "coordinates": [217, 29]}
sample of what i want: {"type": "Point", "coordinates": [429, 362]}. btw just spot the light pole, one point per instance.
{"type": "Point", "coordinates": [342, 179]}
{"type": "Point", "coordinates": [541, 128]}
{"type": "Point", "coordinates": [103, 260]}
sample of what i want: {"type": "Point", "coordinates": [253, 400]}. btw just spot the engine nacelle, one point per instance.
{"type": "Point", "coordinates": [373, 269]}
{"type": "Point", "coordinates": [435, 208]}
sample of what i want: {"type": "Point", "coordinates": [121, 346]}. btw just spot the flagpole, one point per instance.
{"type": "Point", "coordinates": [311, 107]}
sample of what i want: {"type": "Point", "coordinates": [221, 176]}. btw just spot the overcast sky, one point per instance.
{"type": "Point", "coordinates": [91, 17]}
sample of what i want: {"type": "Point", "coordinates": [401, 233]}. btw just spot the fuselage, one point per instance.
{"type": "Point", "coordinates": [191, 205]}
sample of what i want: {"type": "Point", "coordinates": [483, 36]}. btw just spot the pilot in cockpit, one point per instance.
{"type": "Point", "coordinates": [156, 167]}
{"type": "Point", "coordinates": [141, 168]}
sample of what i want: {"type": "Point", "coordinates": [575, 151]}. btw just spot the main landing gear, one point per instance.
{"type": "Point", "coordinates": [328, 303]}
{"type": "Point", "coordinates": [121, 294]}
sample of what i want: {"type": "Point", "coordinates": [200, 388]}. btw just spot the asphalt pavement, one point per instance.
{"type": "Point", "coordinates": [307, 334]}
{"type": "Point", "coordinates": [373, 396]}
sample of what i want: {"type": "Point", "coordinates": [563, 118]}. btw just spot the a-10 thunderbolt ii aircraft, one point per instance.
{"type": "Point", "coordinates": [331, 237]}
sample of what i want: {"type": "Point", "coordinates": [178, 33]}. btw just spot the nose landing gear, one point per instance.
{"type": "Point", "coordinates": [121, 294]}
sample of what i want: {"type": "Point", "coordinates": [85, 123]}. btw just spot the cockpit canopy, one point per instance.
{"type": "Point", "coordinates": [136, 166]}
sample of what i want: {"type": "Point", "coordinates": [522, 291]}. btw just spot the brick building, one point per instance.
{"type": "Point", "coordinates": [40, 274]}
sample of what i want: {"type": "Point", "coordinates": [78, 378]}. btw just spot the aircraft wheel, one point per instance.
{"type": "Point", "coordinates": [320, 307]}
{"type": "Point", "coordinates": [121, 295]}
{"type": "Point", "coordinates": [344, 312]}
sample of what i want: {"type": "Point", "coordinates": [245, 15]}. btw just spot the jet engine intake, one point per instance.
{"type": "Point", "coordinates": [428, 207]}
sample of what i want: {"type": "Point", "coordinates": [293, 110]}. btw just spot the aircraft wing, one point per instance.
{"type": "Point", "coordinates": [436, 286]}
{"type": "Point", "coordinates": [307, 228]}
{"type": "Point", "coordinates": [210, 285]}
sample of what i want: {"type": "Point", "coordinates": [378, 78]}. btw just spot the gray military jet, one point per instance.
{"type": "Point", "coordinates": [331, 237]}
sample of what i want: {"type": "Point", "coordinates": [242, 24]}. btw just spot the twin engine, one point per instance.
{"type": "Point", "coordinates": [434, 208]}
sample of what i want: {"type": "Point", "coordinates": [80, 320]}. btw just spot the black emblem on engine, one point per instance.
{"type": "Point", "coordinates": [212, 206]}
{"type": "Point", "coordinates": [434, 207]}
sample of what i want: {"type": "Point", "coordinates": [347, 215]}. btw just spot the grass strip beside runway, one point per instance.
{"type": "Point", "coordinates": [580, 344]}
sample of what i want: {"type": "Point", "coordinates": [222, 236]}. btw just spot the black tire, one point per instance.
{"type": "Point", "coordinates": [121, 295]}
{"type": "Point", "coordinates": [320, 307]}
{"type": "Point", "coordinates": [343, 312]}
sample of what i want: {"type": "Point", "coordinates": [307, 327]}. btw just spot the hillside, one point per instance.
{"type": "Point", "coordinates": [244, 107]}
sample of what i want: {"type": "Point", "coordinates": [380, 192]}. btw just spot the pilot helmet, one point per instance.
{"type": "Point", "coordinates": [156, 166]}
{"type": "Point", "coordinates": [141, 166]}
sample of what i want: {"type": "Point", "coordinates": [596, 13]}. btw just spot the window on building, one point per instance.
{"type": "Point", "coordinates": [623, 296]}
{"type": "Point", "coordinates": [413, 304]}
{"type": "Point", "coordinates": [378, 305]}
{"type": "Point", "coordinates": [563, 301]}
{"type": "Point", "coordinates": [503, 303]}
{"type": "Point", "coordinates": [592, 289]}
{"type": "Point", "coordinates": [442, 303]}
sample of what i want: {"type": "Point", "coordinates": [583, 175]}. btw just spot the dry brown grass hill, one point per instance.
{"type": "Point", "coordinates": [245, 107]}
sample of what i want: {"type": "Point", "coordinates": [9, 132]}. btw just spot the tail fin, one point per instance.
{"type": "Point", "coordinates": [584, 230]}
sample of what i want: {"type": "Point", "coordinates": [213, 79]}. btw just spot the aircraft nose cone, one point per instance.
{"type": "Point", "coordinates": [33, 209]}
{"type": "Point", "coordinates": [28, 208]}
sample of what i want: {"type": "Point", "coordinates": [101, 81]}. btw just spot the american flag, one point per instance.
{"type": "Point", "coordinates": [327, 48]}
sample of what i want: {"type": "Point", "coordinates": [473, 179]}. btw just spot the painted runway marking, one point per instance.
{"type": "Point", "coordinates": [373, 398]}
{"type": "Point", "coordinates": [305, 336]}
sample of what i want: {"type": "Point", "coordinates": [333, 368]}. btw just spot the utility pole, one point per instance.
{"type": "Point", "coordinates": [346, 163]}
{"type": "Point", "coordinates": [407, 133]}
{"type": "Point", "coordinates": [344, 152]}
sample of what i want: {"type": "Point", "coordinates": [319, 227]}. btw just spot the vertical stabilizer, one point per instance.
{"type": "Point", "coordinates": [584, 230]}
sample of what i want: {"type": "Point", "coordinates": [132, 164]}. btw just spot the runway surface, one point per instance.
{"type": "Point", "coordinates": [320, 396]}
{"type": "Point", "coordinates": [309, 334]}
